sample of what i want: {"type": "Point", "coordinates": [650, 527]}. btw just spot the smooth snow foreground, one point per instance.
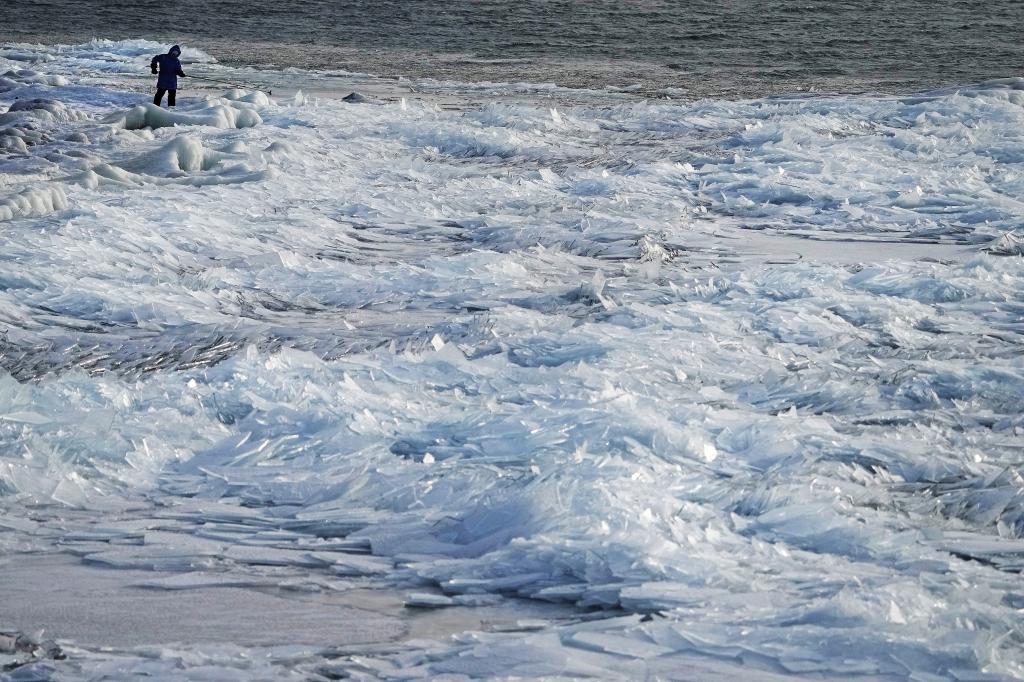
{"type": "Point", "coordinates": [737, 386]}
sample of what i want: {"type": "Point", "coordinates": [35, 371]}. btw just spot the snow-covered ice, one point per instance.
{"type": "Point", "coordinates": [735, 384]}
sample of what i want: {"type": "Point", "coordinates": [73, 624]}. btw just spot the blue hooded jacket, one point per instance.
{"type": "Point", "coordinates": [170, 69]}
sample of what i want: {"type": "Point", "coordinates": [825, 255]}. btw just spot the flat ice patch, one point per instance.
{"type": "Point", "coordinates": [95, 606]}
{"type": "Point", "coordinates": [787, 247]}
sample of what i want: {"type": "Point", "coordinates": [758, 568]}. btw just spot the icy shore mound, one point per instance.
{"type": "Point", "coordinates": [217, 116]}
{"type": "Point", "coordinates": [744, 378]}
{"type": "Point", "coordinates": [33, 202]}
{"type": "Point", "coordinates": [183, 160]}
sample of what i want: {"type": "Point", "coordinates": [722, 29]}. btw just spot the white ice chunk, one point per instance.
{"type": "Point", "coordinates": [151, 116]}
{"type": "Point", "coordinates": [31, 202]}
{"type": "Point", "coordinates": [427, 600]}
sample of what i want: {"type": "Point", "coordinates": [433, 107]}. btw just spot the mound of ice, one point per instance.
{"type": "Point", "coordinates": [359, 98]}
{"type": "Point", "coordinates": [237, 97]}
{"type": "Point", "coordinates": [279, 149]}
{"type": "Point", "coordinates": [42, 109]}
{"type": "Point", "coordinates": [24, 134]}
{"type": "Point", "coordinates": [183, 160]}
{"type": "Point", "coordinates": [151, 116]}
{"type": "Point", "coordinates": [12, 142]}
{"type": "Point", "coordinates": [183, 154]}
{"type": "Point", "coordinates": [20, 77]}
{"type": "Point", "coordinates": [34, 201]}
{"type": "Point", "coordinates": [23, 55]}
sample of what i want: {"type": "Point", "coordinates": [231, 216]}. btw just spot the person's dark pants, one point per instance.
{"type": "Point", "coordinates": [160, 95]}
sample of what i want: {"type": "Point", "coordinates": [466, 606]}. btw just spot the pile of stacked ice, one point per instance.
{"type": "Point", "coordinates": [511, 351]}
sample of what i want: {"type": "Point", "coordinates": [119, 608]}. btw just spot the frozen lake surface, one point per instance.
{"type": "Point", "coordinates": [489, 380]}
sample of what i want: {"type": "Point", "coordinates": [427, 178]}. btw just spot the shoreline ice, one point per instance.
{"type": "Point", "coordinates": [736, 384]}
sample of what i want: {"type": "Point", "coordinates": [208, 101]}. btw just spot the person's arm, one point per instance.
{"type": "Point", "coordinates": [180, 72]}
{"type": "Point", "coordinates": [153, 63]}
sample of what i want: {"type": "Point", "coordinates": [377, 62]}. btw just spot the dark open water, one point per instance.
{"type": "Point", "coordinates": [725, 47]}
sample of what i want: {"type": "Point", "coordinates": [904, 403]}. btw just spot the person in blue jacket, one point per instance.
{"type": "Point", "coordinates": [169, 69]}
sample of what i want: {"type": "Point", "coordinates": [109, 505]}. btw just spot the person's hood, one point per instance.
{"type": "Point", "coordinates": [174, 51]}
